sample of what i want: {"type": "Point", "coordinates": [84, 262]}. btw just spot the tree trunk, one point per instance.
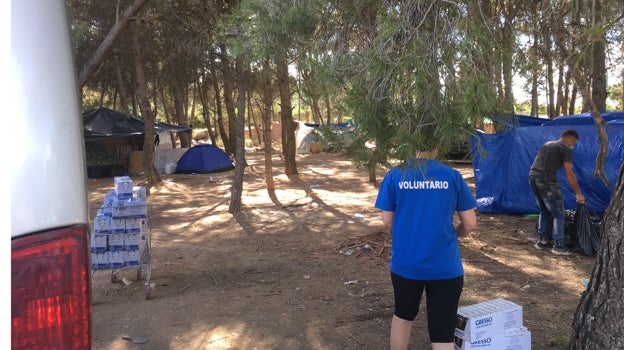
{"type": "Point", "coordinates": [191, 116]}
{"type": "Point", "coordinates": [101, 52]}
{"type": "Point", "coordinates": [497, 81]}
{"type": "Point", "coordinates": [123, 95]}
{"type": "Point", "coordinates": [211, 133]}
{"type": "Point", "coordinates": [598, 70]}
{"type": "Point", "coordinates": [167, 116]}
{"type": "Point", "coordinates": [534, 70]}
{"type": "Point", "coordinates": [254, 120]}
{"type": "Point", "coordinates": [601, 157]}
{"type": "Point", "coordinates": [215, 86]}
{"type": "Point", "coordinates": [317, 116]}
{"type": "Point", "coordinates": [560, 102]}
{"type": "Point", "coordinates": [148, 115]}
{"type": "Point", "coordinates": [562, 39]}
{"type": "Point", "coordinates": [249, 115]}
{"type": "Point", "coordinates": [328, 109]}
{"type": "Point", "coordinates": [228, 97]}
{"type": "Point", "coordinates": [548, 27]}
{"type": "Point", "coordinates": [508, 42]}
{"type": "Point", "coordinates": [102, 95]}
{"type": "Point", "coordinates": [178, 104]}
{"type": "Point", "coordinates": [313, 96]}
{"type": "Point", "coordinates": [372, 175]}
{"type": "Point", "coordinates": [239, 154]}
{"type": "Point", "coordinates": [267, 99]}
{"type": "Point", "coordinates": [566, 93]}
{"type": "Point", "coordinates": [289, 147]}
{"type": "Point", "coordinates": [585, 97]}
{"type": "Point", "coordinates": [572, 106]}
{"type": "Point", "coordinates": [550, 90]}
{"type": "Point", "coordinates": [203, 98]}
{"type": "Point", "coordinates": [599, 320]}
{"type": "Point", "coordinates": [114, 98]}
{"type": "Point", "coordinates": [534, 93]}
{"type": "Point", "coordinates": [221, 125]}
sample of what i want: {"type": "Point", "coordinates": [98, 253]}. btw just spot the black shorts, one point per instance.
{"type": "Point", "coordinates": [442, 302]}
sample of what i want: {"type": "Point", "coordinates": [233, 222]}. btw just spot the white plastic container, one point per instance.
{"type": "Point", "coordinates": [170, 168]}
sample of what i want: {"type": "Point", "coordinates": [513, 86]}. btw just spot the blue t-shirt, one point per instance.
{"type": "Point", "coordinates": [424, 196]}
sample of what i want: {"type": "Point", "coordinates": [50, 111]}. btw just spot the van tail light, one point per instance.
{"type": "Point", "coordinates": [51, 290]}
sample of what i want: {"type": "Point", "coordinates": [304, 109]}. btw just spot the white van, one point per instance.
{"type": "Point", "coordinates": [50, 260]}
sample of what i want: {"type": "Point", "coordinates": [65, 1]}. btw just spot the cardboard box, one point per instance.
{"type": "Point", "coordinates": [99, 260]}
{"type": "Point", "coordinates": [99, 243]}
{"type": "Point", "coordinates": [133, 225]}
{"type": "Point", "coordinates": [132, 257]}
{"type": "Point", "coordinates": [123, 187]}
{"type": "Point", "coordinates": [512, 339]}
{"type": "Point", "coordinates": [117, 226]}
{"type": "Point", "coordinates": [139, 192]}
{"type": "Point", "coordinates": [130, 209]}
{"type": "Point", "coordinates": [101, 224]}
{"type": "Point", "coordinates": [116, 258]}
{"type": "Point", "coordinates": [131, 241]}
{"type": "Point", "coordinates": [106, 211]}
{"type": "Point", "coordinates": [109, 198]}
{"type": "Point", "coordinates": [116, 242]}
{"type": "Point", "coordinates": [487, 319]}
{"type": "Point", "coordinates": [135, 163]}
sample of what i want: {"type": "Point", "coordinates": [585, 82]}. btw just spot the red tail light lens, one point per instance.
{"type": "Point", "coordinates": [51, 290]}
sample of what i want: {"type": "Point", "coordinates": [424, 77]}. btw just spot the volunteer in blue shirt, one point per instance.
{"type": "Point", "coordinates": [418, 201]}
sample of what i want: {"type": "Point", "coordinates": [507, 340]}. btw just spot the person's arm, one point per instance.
{"type": "Point", "coordinates": [571, 177]}
{"type": "Point", "coordinates": [387, 217]}
{"type": "Point", "coordinates": [467, 222]}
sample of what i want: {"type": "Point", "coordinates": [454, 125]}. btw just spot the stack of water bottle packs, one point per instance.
{"type": "Point", "coordinates": [491, 325]}
{"type": "Point", "coordinates": [119, 227]}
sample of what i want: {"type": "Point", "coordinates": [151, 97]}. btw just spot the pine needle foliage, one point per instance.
{"type": "Point", "coordinates": [423, 82]}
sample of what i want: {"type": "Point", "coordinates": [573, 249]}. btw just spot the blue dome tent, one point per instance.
{"type": "Point", "coordinates": [203, 159]}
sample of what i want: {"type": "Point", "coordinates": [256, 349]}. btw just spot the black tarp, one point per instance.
{"type": "Point", "coordinates": [104, 123]}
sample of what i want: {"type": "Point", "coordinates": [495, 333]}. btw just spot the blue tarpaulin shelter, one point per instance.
{"type": "Point", "coordinates": [502, 161]}
{"type": "Point", "coordinates": [519, 120]}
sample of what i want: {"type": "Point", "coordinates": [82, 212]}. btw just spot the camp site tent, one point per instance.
{"type": "Point", "coordinates": [305, 136]}
{"type": "Point", "coordinates": [502, 161]}
{"type": "Point", "coordinates": [308, 133]}
{"type": "Point", "coordinates": [203, 159]}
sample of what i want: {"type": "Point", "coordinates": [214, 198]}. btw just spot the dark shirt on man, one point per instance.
{"type": "Point", "coordinates": [549, 160]}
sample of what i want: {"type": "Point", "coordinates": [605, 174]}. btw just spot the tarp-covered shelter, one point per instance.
{"type": "Point", "coordinates": [502, 161]}
{"type": "Point", "coordinates": [516, 120]}
{"type": "Point", "coordinates": [110, 138]}
{"type": "Point", "coordinates": [203, 159]}
{"type": "Point", "coordinates": [104, 123]}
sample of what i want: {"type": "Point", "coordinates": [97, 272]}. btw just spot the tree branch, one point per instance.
{"type": "Point", "coordinates": [601, 157]}
{"type": "Point", "coordinates": [98, 56]}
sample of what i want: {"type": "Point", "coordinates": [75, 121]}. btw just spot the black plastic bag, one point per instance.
{"type": "Point", "coordinates": [584, 232]}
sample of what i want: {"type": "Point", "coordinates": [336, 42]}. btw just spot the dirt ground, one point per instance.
{"type": "Point", "coordinates": [290, 272]}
